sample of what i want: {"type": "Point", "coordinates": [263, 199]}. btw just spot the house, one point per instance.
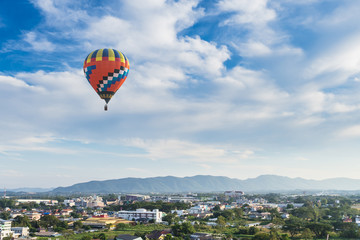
{"type": "Point", "coordinates": [127, 237]}
{"type": "Point", "coordinates": [33, 215]}
{"type": "Point", "coordinates": [66, 212]}
{"type": "Point", "coordinates": [158, 234]}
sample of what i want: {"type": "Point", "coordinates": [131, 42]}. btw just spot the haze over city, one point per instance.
{"type": "Point", "coordinates": [225, 88]}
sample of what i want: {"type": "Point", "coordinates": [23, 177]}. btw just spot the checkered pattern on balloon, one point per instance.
{"type": "Point", "coordinates": [106, 70]}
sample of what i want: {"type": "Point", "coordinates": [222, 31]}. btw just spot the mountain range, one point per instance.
{"type": "Point", "coordinates": [204, 183]}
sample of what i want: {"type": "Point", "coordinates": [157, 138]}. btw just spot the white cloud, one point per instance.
{"type": "Point", "coordinates": [183, 151]}
{"type": "Point", "coordinates": [38, 43]}
{"type": "Point", "coordinates": [343, 56]}
{"type": "Point", "coordinates": [261, 40]}
{"type": "Point", "coordinates": [352, 131]}
{"type": "Point", "coordinates": [18, 83]}
{"type": "Point", "coordinates": [62, 14]}
{"type": "Point", "coordinates": [253, 12]}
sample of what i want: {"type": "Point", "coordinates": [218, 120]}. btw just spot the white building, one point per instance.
{"type": "Point", "coordinates": [20, 231]}
{"type": "Point", "coordinates": [38, 201]}
{"type": "Point", "coordinates": [198, 209]}
{"type": "Point", "coordinates": [69, 202]}
{"type": "Point", "coordinates": [141, 213]}
{"type": "Point", "coordinates": [5, 229]}
{"type": "Point", "coordinates": [357, 220]}
{"type": "Point", "coordinates": [179, 212]}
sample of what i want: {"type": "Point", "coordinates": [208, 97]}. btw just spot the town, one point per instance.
{"type": "Point", "coordinates": [227, 215]}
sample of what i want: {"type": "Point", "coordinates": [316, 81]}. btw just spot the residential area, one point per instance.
{"type": "Point", "coordinates": [227, 215]}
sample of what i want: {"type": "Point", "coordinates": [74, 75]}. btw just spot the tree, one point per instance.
{"type": "Point", "coordinates": [21, 221]}
{"type": "Point", "coordinates": [320, 229]}
{"type": "Point", "coordinates": [221, 221]}
{"type": "Point", "coordinates": [261, 236]}
{"type": "Point", "coordinates": [77, 225]}
{"type": "Point", "coordinates": [49, 221]}
{"type": "Point", "coordinates": [102, 236]}
{"type": "Point", "coordinates": [304, 212]}
{"type": "Point", "coordinates": [86, 237]}
{"type": "Point", "coordinates": [274, 235]}
{"type": "Point", "coordinates": [307, 234]}
{"type": "Point", "coordinates": [5, 215]}
{"type": "Point", "coordinates": [120, 226]}
{"type": "Point", "coordinates": [168, 237]}
{"type": "Point", "coordinates": [181, 230]}
{"type": "Point", "coordinates": [349, 230]}
{"type": "Point", "coordinates": [253, 230]}
{"type": "Point", "coordinates": [293, 225]}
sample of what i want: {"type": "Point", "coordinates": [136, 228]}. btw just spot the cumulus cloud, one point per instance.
{"type": "Point", "coordinates": [183, 151]}
{"type": "Point", "coordinates": [261, 39]}
{"type": "Point", "coordinates": [352, 131]}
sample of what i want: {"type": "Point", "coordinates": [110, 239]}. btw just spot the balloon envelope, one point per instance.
{"type": "Point", "coordinates": [106, 70]}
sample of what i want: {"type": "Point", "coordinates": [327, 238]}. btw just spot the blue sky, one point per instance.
{"type": "Point", "coordinates": [235, 88]}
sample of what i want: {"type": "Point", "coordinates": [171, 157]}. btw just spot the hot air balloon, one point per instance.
{"type": "Point", "coordinates": [106, 70]}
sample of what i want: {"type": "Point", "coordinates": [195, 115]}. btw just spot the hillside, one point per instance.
{"type": "Point", "coordinates": [201, 183]}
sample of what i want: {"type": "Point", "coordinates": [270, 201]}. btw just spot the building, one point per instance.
{"type": "Point", "coordinates": [140, 214]}
{"type": "Point", "coordinates": [234, 194]}
{"type": "Point", "coordinates": [33, 215]}
{"type": "Point", "coordinates": [158, 234]}
{"type": "Point", "coordinates": [180, 212]}
{"type": "Point", "coordinates": [136, 197]}
{"type": "Point", "coordinates": [20, 232]}
{"type": "Point", "coordinates": [38, 201]}
{"type": "Point", "coordinates": [69, 202]}
{"type": "Point", "coordinates": [200, 236]}
{"type": "Point", "coordinates": [5, 229]}
{"type": "Point", "coordinates": [127, 237]}
{"type": "Point", "coordinates": [357, 220]}
{"type": "Point", "coordinates": [102, 222]}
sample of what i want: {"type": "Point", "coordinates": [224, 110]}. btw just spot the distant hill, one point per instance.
{"type": "Point", "coordinates": [202, 183]}
{"type": "Point", "coordinates": [33, 190]}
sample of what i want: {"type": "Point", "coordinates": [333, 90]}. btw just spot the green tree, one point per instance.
{"type": "Point", "coordinates": [253, 230]}
{"type": "Point", "coordinates": [21, 221]}
{"type": "Point", "coordinates": [307, 234]}
{"type": "Point", "coordinates": [5, 215]}
{"type": "Point", "coordinates": [5, 202]}
{"type": "Point", "coordinates": [293, 225]}
{"type": "Point", "coordinates": [168, 237]}
{"type": "Point", "coordinates": [181, 230]}
{"type": "Point", "coordinates": [221, 221]}
{"type": "Point", "coordinates": [261, 236]}
{"type": "Point", "coordinates": [320, 229]}
{"type": "Point", "coordinates": [350, 230]}
{"type": "Point", "coordinates": [77, 225]}
{"type": "Point", "coordinates": [86, 237]}
{"type": "Point", "coordinates": [102, 236]}
{"type": "Point", "coordinates": [120, 226]}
